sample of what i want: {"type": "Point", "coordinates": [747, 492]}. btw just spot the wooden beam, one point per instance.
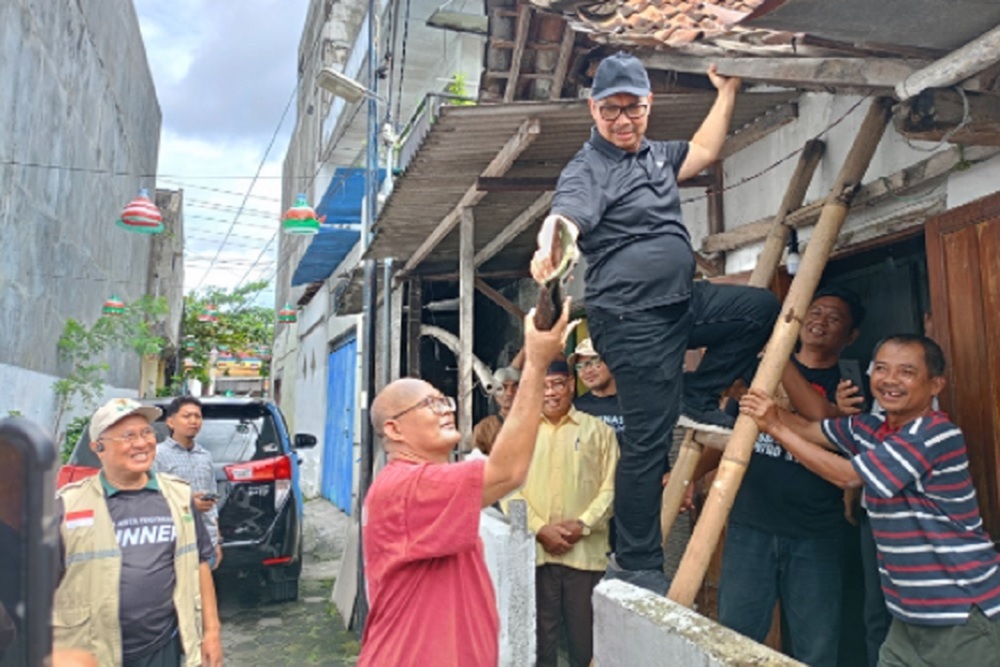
{"type": "Point", "coordinates": [936, 115]}
{"type": "Point", "coordinates": [716, 209]}
{"type": "Point", "coordinates": [759, 128]}
{"type": "Point", "coordinates": [524, 219]}
{"type": "Point", "coordinates": [960, 64]}
{"type": "Point", "coordinates": [500, 163]}
{"type": "Point", "coordinates": [491, 275]}
{"type": "Point", "coordinates": [516, 184]}
{"type": "Point", "coordinates": [795, 194]}
{"type": "Point", "coordinates": [808, 72]}
{"type": "Point", "coordinates": [499, 299]}
{"type": "Point", "coordinates": [562, 65]}
{"type": "Point", "coordinates": [900, 183]}
{"type": "Point", "coordinates": [712, 521]}
{"type": "Point", "coordinates": [466, 327]}
{"type": "Point", "coordinates": [523, 22]}
{"type": "Point", "coordinates": [414, 310]}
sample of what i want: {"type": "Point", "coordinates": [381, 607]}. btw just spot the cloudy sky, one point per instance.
{"type": "Point", "coordinates": [224, 72]}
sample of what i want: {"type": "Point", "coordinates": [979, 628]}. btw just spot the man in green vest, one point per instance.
{"type": "Point", "coordinates": [135, 589]}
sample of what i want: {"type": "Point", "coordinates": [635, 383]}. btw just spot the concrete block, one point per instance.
{"type": "Point", "coordinates": [636, 628]}
{"type": "Point", "coordinates": [510, 558]}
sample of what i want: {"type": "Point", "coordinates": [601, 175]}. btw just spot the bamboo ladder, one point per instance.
{"type": "Point", "coordinates": [708, 530]}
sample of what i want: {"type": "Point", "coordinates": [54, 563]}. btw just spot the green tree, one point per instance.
{"type": "Point", "coordinates": [84, 348]}
{"type": "Point", "coordinates": [241, 327]}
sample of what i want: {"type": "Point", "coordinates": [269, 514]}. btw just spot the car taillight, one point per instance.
{"type": "Point", "coordinates": [277, 470]}
{"type": "Point", "coordinates": [266, 470]}
{"type": "Point", "coordinates": [71, 473]}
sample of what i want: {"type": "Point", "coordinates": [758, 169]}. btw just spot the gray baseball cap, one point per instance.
{"type": "Point", "coordinates": [620, 73]}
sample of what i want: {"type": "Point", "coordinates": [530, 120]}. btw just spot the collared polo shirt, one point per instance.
{"type": "Point", "coordinates": [195, 467]}
{"type": "Point", "coordinates": [627, 207]}
{"type": "Point", "coordinates": [935, 560]}
{"type": "Point", "coordinates": [572, 476]}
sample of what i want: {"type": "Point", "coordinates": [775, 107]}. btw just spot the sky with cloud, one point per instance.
{"type": "Point", "coordinates": [225, 71]}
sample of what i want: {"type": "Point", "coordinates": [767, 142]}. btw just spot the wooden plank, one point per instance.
{"type": "Point", "coordinates": [936, 115]}
{"type": "Point", "coordinates": [414, 310]}
{"type": "Point", "coordinates": [770, 257]}
{"type": "Point", "coordinates": [960, 64]}
{"type": "Point", "coordinates": [466, 327]}
{"type": "Point", "coordinates": [712, 521]}
{"type": "Point", "coordinates": [523, 21]}
{"type": "Point", "coordinates": [805, 72]}
{"type": "Point", "coordinates": [716, 208]}
{"type": "Point", "coordinates": [562, 65]}
{"type": "Point", "coordinates": [499, 299]}
{"type": "Point", "coordinates": [516, 184]}
{"type": "Point", "coordinates": [759, 128]}
{"type": "Point", "coordinates": [524, 219]}
{"type": "Point", "coordinates": [525, 135]}
{"type": "Point", "coordinates": [902, 182]}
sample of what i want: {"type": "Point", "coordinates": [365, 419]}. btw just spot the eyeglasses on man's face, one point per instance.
{"type": "Point", "coordinates": [439, 405]}
{"type": "Point", "coordinates": [131, 437]}
{"type": "Point", "coordinates": [589, 363]}
{"type": "Point", "coordinates": [556, 385]}
{"type": "Point", "coordinates": [611, 112]}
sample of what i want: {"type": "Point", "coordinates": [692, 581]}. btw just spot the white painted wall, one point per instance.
{"type": "Point", "coordinates": [310, 385]}
{"type": "Point", "coordinates": [759, 198]}
{"type": "Point", "coordinates": [510, 558]}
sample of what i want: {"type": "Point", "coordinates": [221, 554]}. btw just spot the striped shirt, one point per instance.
{"type": "Point", "coordinates": [935, 559]}
{"type": "Point", "coordinates": [195, 467]}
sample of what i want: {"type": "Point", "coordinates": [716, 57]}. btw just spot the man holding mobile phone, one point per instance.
{"type": "Point", "coordinates": [180, 455]}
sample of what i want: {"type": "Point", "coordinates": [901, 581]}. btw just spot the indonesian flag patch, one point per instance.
{"type": "Point", "coordinates": [81, 519]}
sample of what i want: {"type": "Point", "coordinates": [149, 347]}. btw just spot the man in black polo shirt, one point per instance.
{"type": "Point", "coordinates": [619, 196]}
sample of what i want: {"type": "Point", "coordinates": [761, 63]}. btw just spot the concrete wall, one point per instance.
{"type": "Point", "coordinates": [510, 558]}
{"type": "Point", "coordinates": [310, 385]}
{"type": "Point", "coordinates": [75, 91]}
{"type": "Point", "coordinates": [637, 628]}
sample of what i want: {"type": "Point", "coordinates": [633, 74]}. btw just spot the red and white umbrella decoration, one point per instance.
{"type": "Point", "coordinates": [141, 215]}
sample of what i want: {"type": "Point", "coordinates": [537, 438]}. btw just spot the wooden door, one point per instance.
{"type": "Point", "coordinates": [963, 261]}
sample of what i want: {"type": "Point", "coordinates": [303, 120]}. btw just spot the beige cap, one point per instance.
{"type": "Point", "coordinates": [507, 374]}
{"type": "Point", "coordinates": [116, 410]}
{"type": "Point", "coordinates": [584, 348]}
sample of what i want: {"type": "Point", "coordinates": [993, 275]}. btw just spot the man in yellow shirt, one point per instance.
{"type": "Point", "coordinates": [569, 493]}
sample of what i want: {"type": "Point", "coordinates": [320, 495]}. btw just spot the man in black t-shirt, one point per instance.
{"type": "Point", "coordinates": [601, 399]}
{"type": "Point", "coordinates": [784, 540]}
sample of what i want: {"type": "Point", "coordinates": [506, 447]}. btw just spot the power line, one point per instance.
{"type": "Point", "coordinates": [184, 184]}
{"type": "Point", "coordinates": [260, 167]}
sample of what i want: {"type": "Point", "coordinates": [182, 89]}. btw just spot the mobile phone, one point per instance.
{"type": "Point", "coordinates": [210, 496]}
{"type": "Point", "coordinates": [850, 369]}
{"type": "Point", "coordinates": [28, 541]}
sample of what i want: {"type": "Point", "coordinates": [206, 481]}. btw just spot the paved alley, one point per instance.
{"type": "Point", "coordinates": [306, 632]}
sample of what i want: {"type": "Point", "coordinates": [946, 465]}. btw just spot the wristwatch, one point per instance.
{"type": "Point", "coordinates": [584, 528]}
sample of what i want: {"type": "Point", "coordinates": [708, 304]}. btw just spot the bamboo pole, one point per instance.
{"type": "Point", "coordinates": [767, 263]}
{"type": "Point", "coordinates": [786, 330]}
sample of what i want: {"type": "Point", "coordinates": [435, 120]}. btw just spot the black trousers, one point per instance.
{"type": "Point", "coordinates": [564, 594]}
{"type": "Point", "coordinates": [170, 655]}
{"type": "Point", "coordinates": [644, 351]}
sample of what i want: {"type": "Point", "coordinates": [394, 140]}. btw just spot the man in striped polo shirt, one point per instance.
{"type": "Point", "coordinates": [938, 566]}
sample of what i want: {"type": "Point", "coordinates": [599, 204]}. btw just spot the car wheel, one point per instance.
{"type": "Point", "coordinates": [283, 590]}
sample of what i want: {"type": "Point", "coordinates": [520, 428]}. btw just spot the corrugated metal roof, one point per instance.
{"type": "Point", "coordinates": [464, 141]}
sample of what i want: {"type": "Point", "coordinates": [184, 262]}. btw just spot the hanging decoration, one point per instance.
{"type": "Point", "coordinates": [209, 314]}
{"type": "Point", "coordinates": [113, 307]}
{"type": "Point", "coordinates": [301, 218]}
{"type": "Point", "coordinates": [141, 215]}
{"type": "Point", "coordinates": [288, 315]}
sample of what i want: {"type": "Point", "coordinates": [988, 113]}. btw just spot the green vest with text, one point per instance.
{"type": "Point", "coordinates": [85, 613]}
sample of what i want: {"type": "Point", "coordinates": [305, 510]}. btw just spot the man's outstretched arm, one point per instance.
{"type": "Point", "coordinates": [507, 465]}
{"type": "Point", "coordinates": [706, 144]}
{"type": "Point", "coordinates": [804, 442]}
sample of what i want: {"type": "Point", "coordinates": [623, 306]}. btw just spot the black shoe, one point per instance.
{"type": "Point", "coordinates": [655, 581]}
{"type": "Point", "coordinates": [709, 421]}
